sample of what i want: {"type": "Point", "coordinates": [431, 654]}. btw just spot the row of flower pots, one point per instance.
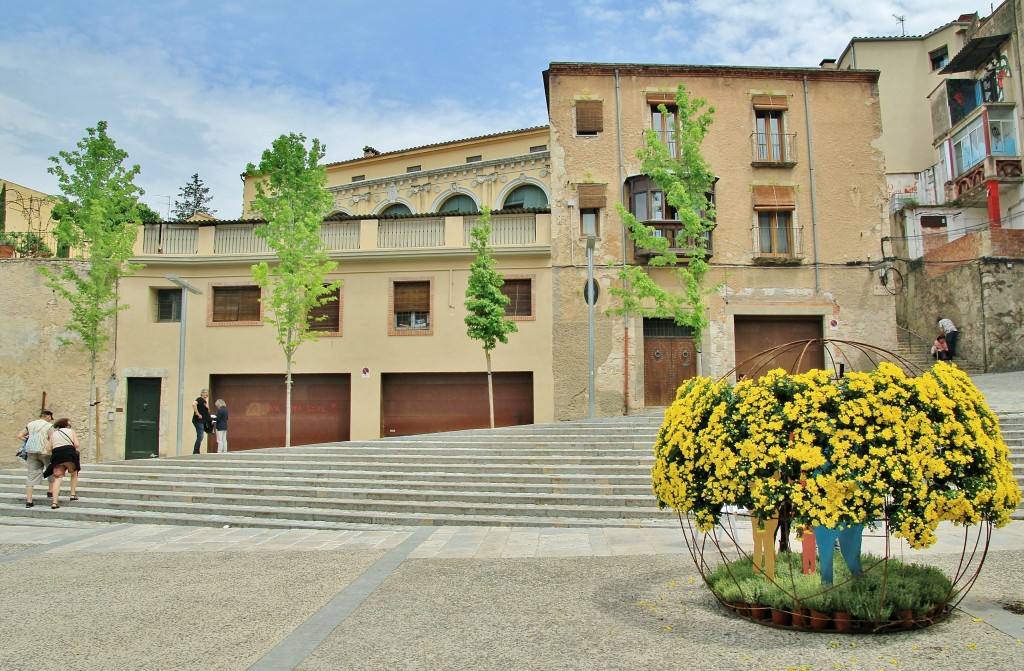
{"type": "Point", "coordinates": [813, 620]}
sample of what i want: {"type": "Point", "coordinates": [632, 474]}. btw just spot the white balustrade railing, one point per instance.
{"type": "Point", "coordinates": [170, 239]}
{"type": "Point", "coordinates": [506, 229]}
{"type": "Point", "coordinates": [410, 233]}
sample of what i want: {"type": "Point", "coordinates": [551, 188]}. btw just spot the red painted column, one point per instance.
{"type": "Point", "coordinates": [992, 188]}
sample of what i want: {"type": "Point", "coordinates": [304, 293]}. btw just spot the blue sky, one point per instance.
{"type": "Point", "coordinates": [205, 86]}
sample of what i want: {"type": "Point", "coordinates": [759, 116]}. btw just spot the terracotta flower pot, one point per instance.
{"type": "Point", "coordinates": [843, 621]}
{"type": "Point", "coordinates": [781, 618]}
{"type": "Point", "coordinates": [760, 612]}
{"type": "Point", "coordinates": [906, 618]}
{"type": "Point", "coordinates": [800, 619]}
{"type": "Point", "coordinates": [6, 252]}
{"type": "Point", "coordinates": [820, 621]}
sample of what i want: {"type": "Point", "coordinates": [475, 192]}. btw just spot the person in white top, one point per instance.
{"type": "Point", "coordinates": [949, 329]}
{"type": "Point", "coordinates": [37, 457]}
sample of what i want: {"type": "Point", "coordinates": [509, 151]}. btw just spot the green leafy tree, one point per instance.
{"type": "Point", "coordinates": [291, 197]}
{"type": "Point", "coordinates": [485, 302]}
{"type": "Point", "coordinates": [194, 198]}
{"type": "Point", "coordinates": [686, 180]}
{"type": "Point", "coordinates": [97, 212]}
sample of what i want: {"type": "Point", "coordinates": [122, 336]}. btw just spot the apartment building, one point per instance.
{"type": "Point", "coordinates": [800, 200]}
{"type": "Point", "coordinates": [951, 118]}
{"type": "Point", "coordinates": [393, 356]}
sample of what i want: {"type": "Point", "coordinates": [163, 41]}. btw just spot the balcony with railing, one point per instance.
{"type": "Point", "coordinates": [345, 235]}
{"type": "Point", "coordinates": [678, 243]}
{"type": "Point", "coordinates": [773, 150]}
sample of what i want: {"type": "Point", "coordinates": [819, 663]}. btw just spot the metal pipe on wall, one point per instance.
{"type": "Point", "coordinates": [814, 209]}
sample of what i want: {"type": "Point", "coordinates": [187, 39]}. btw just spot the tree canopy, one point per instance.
{"type": "Point", "coordinates": [686, 180]}
{"type": "Point", "coordinates": [194, 197]}
{"type": "Point", "coordinates": [291, 197]}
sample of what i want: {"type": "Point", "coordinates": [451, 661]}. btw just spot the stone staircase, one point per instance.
{"type": "Point", "coordinates": [917, 351]}
{"type": "Point", "coordinates": [567, 474]}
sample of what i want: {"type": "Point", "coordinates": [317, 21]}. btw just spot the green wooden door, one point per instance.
{"type": "Point", "coordinates": [143, 437]}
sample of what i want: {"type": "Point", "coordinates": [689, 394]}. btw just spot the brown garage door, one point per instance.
{"type": "Point", "coordinates": [431, 402]}
{"type": "Point", "coordinates": [320, 408]}
{"type": "Point", "coordinates": [757, 334]}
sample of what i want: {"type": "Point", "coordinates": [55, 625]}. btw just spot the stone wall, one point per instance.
{"type": "Point", "coordinates": [33, 364]}
{"type": "Point", "coordinates": [984, 296]}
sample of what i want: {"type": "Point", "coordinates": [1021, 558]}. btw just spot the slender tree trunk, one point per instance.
{"type": "Point", "coordinates": [490, 387]}
{"type": "Point", "coordinates": [92, 408]}
{"type": "Point", "coordinates": [288, 406]}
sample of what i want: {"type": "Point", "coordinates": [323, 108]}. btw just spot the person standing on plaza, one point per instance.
{"type": "Point", "coordinates": [64, 459]}
{"type": "Point", "coordinates": [36, 436]}
{"type": "Point", "coordinates": [221, 421]}
{"type": "Point", "coordinates": [951, 333]}
{"type": "Point", "coordinates": [201, 419]}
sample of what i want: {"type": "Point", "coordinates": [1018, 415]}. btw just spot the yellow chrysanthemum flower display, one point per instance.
{"type": "Point", "coordinates": [838, 451]}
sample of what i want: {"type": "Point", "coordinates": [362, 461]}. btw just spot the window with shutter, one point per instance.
{"type": "Point", "coordinates": [168, 305]}
{"type": "Point", "coordinates": [592, 195]}
{"type": "Point", "coordinates": [774, 197]}
{"type": "Point", "coordinates": [411, 307]}
{"type": "Point", "coordinates": [589, 117]}
{"type": "Point", "coordinates": [326, 318]}
{"type": "Point", "coordinates": [236, 305]}
{"type": "Point", "coordinates": [520, 294]}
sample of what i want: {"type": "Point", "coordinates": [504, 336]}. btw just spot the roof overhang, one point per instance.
{"type": "Point", "coordinates": [974, 54]}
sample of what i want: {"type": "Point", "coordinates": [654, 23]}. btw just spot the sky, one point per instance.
{"type": "Point", "coordinates": [205, 86]}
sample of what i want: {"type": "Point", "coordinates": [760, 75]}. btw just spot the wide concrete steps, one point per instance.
{"type": "Point", "coordinates": [571, 474]}
{"type": "Point", "coordinates": [586, 474]}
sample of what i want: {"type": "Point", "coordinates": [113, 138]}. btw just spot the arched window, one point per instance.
{"type": "Point", "coordinates": [460, 203]}
{"type": "Point", "coordinates": [527, 196]}
{"type": "Point", "coordinates": [395, 210]}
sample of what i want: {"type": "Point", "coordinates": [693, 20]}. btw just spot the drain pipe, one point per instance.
{"type": "Point", "coordinates": [814, 209]}
{"type": "Point", "coordinates": [622, 185]}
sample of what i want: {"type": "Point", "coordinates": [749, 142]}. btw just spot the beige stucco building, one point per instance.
{"type": "Point", "coordinates": [800, 203]}
{"type": "Point", "coordinates": [393, 356]}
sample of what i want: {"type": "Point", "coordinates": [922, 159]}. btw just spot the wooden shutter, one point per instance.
{"type": "Point", "coordinates": [661, 98]}
{"type": "Point", "coordinates": [770, 102]}
{"type": "Point", "coordinates": [770, 197]}
{"type": "Point", "coordinates": [592, 196]}
{"type": "Point", "coordinates": [331, 312]}
{"type": "Point", "coordinates": [412, 296]}
{"type": "Point", "coordinates": [236, 304]}
{"type": "Point", "coordinates": [520, 295]}
{"type": "Point", "coordinates": [589, 116]}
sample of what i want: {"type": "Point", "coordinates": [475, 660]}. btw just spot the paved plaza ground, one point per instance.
{"type": "Point", "coordinates": [120, 596]}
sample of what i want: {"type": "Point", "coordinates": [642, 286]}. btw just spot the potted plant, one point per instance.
{"type": "Point", "coordinates": [29, 244]}
{"type": "Point", "coordinates": [8, 244]}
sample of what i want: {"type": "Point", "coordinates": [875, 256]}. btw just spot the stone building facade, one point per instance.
{"type": "Point", "coordinates": [793, 150]}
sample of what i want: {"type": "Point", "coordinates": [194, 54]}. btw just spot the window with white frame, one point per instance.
{"type": "Point", "coordinates": [968, 147]}
{"type": "Point", "coordinates": [1001, 132]}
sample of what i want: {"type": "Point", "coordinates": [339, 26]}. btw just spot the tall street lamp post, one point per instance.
{"type": "Point", "coordinates": [186, 289]}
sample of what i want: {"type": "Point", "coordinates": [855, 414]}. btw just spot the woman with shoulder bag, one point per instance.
{"type": "Point", "coordinates": [36, 435]}
{"type": "Point", "coordinates": [64, 458]}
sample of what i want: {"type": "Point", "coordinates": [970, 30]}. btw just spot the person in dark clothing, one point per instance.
{"type": "Point", "coordinates": [221, 420]}
{"type": "Point", "coordinates": [201, 419]}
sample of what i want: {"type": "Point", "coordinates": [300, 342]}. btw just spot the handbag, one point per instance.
{"type": "Point", "coordinates": [34, 444]}
{"type": "Point", "coordinates": [208, 426]}
{"type": "Point", "coordinates": [22, 454]}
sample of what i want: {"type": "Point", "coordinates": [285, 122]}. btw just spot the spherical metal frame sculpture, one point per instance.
{"type": "Point", "coordinates": [723, 543]}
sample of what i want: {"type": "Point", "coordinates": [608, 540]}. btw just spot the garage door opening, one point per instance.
{"type": "Point", "coordinates": [757, 334]}
{"type": "Point", "coordinates": [431, 402]}
{"type": "Point", "coordinates": [256, 409]}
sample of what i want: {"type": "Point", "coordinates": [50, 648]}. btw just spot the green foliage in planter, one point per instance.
{"type": "Point", "coordinates": [884, 588]}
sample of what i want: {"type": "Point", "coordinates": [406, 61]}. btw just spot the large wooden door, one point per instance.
{"type": "Point", "coordinates": [757, 334]}
{"type": "Point", "coordinates": [256, 408]}
{"type": "Point", "coordinates": [142, 439]}
{"type": "Point", "coordinates": [670, 358]}
{"type": "Point", "coordinates": [431, 402]}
